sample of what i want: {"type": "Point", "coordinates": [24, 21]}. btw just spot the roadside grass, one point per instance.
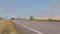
{"type": "Point", "coordinates": [6, 27]}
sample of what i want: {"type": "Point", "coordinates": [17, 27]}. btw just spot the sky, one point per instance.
{"type": "Point", "coordinates": [27, 8]}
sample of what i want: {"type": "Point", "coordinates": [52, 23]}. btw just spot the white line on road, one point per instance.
{"type": "Point", "coordinates": [30, 28]}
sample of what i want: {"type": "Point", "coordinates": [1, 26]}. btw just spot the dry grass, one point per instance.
{"type": "Point", "coordinates": [6, 27]}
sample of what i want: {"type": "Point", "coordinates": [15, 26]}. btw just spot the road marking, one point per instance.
{"type": "Point", "coordinates": [30, 28]}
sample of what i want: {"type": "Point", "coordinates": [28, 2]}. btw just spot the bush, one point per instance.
{"type": "Point", "coordinates": [31, 17]}
{"type": "Point", "coordinates": [0, 18]}
{"type": "Point", "coordinates": [49, 19]}
{"type": "Point", "coordinates": [12, 18]}
{"type": "Point", "coordinates": [18, 18]}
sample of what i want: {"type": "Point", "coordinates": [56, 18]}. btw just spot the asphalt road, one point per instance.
{"type": "Point", "coordinates": [37, 27]}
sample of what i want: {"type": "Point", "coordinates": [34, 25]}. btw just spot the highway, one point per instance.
{"type": "Point", "coordinates": [37, 27]}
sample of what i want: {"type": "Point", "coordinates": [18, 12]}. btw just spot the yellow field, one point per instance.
{"type": "Point", "coordinates": [6, 27]}
{"type": "Point", "coordinates": [38, 18]}
{"type": "Point", "coordinates": [56, 18]}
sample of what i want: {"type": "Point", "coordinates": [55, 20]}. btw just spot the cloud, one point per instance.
{"type": "Point", "coordinates": [54, 5]}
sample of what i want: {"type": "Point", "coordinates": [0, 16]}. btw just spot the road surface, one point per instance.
{"type": "Point", "coordinates": [37, 27]}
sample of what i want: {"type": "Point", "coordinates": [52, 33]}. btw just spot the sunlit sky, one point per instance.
{"type": "Point", "coordinates": [27, 8]}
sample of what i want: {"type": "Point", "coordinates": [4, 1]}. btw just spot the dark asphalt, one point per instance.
{"type": "Point", "coordinates": [41, 26]}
